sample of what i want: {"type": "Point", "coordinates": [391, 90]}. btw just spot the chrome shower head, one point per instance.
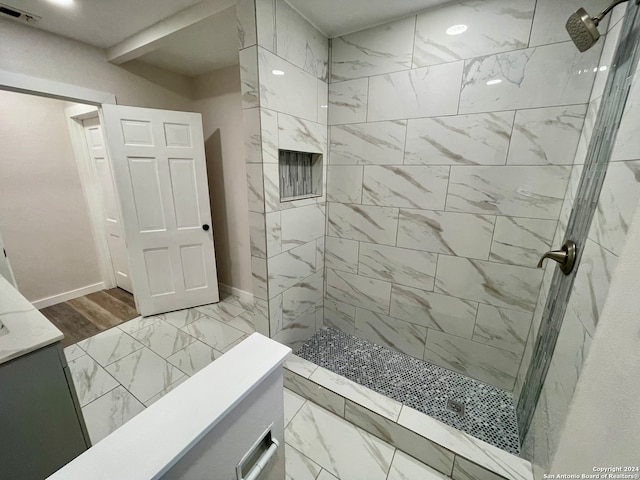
{"type": "Point", "coordinates": [583, 29]}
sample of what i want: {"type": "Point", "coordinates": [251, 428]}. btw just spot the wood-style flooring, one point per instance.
{"type": "Point", "coordinates": [86, 316]}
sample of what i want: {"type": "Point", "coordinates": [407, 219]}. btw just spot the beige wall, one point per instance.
{"type": "Point", "coordinates": [40, 54]}
{"type": "Point", "coordinates": [217, 98]}
{"type": "Point", "coordinates": [43, 214]}
{"type": "Point", "coordinates": [216, 95]}
{"type": "Point", "coordinates": [602, 425]}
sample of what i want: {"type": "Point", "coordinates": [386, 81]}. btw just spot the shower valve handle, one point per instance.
{"type": "Point", "coordinates": [566, 257]}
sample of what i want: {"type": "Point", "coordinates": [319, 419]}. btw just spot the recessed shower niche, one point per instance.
{"type": "Point", "coordinates": [300, 175]}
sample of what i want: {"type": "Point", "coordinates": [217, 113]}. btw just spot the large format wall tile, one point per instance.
{"type": "Point", "coordinates": [301, 297]}
{"type": "Point", "coordinates": [341, 254]}
{"type": "Point", "coordinates": [323, 102]}
{"type": "Point", "coordinates": [266, 24]}
{"type": "Point", "coordinates": [546, 136]}
{"type": "Point", "coordinates": [462, 234]}
{"type": "Point", "coordinates": [521, 241]}
{"type": "Point", "coordinates": [493, 26]}
{"type": "Point", "coordinates": [246, 23]}
{"type": "Point", "coordinates": [555, 74]}
{"type": "Point", "coordinates": [340, 316]}
{"type": "Point", "coordinates": [493, 190]}
{"type": "Point", "coordinates": [252, 136]}
{"type": "Point", "coordinates": [249, 75]}
{"type": "Point", "coordinates": [606, 60]}
{"type": "Point", "coordinates": [423, 92]}
{"type": "Point", "coordinates": [381, 329]}
{"type": "Point", "coordinates": [437, 312]}
{"type": "Point", "coordinates": [300, 43]}
{"type": "Point", "coordinates": [481, 139]}
{"type": "Point", "coordinates": [288, 268]}
{"type": "Point", "coordinates": [502, 328]}
{"type": "Point", "coordinates": [499, 285]}
{"type": "Point", "coordinates": [259, 273]}
{"type": "Point", "coordinates": [269, 135]}
{"type": "Point", "coordinates": [377, 50]}
{"type": "Point", "coordinates": [255, 188]}
{"type": "Point", "coordinates": [362, 222]}
{"type": "Point", "coordinates": [397, 265]}
{"type": "Point", "coordinates": [358, 291]}
{"type": "Point", "coordinates": [273, 233]}
{"type": "Point", "coordinates": [487, 364]}
{"type": "Point", "coordinates": [410, 187]}
{"type": "Point", "coordinates": [302, 225]}
{"type": "Point", "coordinates": [294, 93]}
{"type": "Point", "coordinates": [257, 235]}
{"type": "Point", "coordinates": [274, 311]}
{"type": "Point", "coordinates": [301, 135]}
{"type": "Point", "coordinates": [379, 143]}
{"type": "Point", "coordinates": [348, 101]}
{"type": "Point", "coordinates": [299, 331]}
{"type": "Point", "coordinates": [344, 183]}
{"type": "Point", "coordinates": [551, 16]}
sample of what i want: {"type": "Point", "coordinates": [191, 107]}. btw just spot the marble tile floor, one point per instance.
{"type": "Point", "coordinates": [124, 369]}
{"type": "Point", "coordinates": [489, 412]}
{"type": "Point", "coordinates": [121, 371]}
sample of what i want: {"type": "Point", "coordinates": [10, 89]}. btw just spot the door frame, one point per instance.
{"type": "Point", "coordinates": [90, 186]}
{"type": "Point", "coordinates": [93, 101]}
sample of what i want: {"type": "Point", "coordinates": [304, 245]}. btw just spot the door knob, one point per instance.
{"type": "Point", "coordinates": [566, 257]}
{"type": "Point", "coordinates": [205, 227]}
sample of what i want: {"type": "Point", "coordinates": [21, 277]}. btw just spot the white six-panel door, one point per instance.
{"type": "Point", "coordinates": [111, 214]}
{"type": "Point", "coordinates": [160, 173]}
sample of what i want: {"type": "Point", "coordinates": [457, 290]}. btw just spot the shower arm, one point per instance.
{"type": "Point", "coordinates": [598, 18]}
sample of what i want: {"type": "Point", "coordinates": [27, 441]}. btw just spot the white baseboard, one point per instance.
{"type": "Point", "coordinates": [241, 294]}
{"type": "Point", "coordinates": [63, 297]}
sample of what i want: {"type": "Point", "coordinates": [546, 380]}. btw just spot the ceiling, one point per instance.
{"type": "Point", "coordinates": [208, 44]}
{"type": "Point", "coordinates": [101, 23]}
{"type": "Point", "coordinates": [204, 46]}
{"type": "Point", "coordinates": [339, 17]}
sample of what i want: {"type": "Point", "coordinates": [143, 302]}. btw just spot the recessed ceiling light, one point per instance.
{"type": "Point", "coordinates": [495, 81]}
{"type": "Point", "coordinates": [62, 3]}
{"type": "Point", "coordinates": [603, 68]}
{"type": "Point", "coordinates": [277, 72]}
{"type": "Point", "coordinates": [456, 29]}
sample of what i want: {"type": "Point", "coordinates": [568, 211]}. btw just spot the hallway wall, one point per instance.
{"type": "Point", "coordinates": [43, 214]}
{"type": "Point", "coordinates": [36, 53]}
{"type": "Point", "coordinates": [217, 97]}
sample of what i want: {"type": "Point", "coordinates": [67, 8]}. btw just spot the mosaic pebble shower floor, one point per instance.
{"type": "Point", "coordinates": [489, 412]}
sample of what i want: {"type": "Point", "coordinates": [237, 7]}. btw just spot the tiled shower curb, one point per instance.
{"type": "Point", "coordinates": [450, 451]}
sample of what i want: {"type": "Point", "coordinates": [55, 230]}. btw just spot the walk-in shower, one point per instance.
{"type": "Point", "coordinates": [460, 144]}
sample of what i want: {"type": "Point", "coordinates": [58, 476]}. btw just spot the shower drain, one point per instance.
{"type": "Point", "coordinates": [455, 407]}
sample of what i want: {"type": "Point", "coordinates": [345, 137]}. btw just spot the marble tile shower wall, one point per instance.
{"type": "Point", "coordinates": [284, 65]}
{"type": "Point", "coordinates": [618, 200]}
{"type": "Point", "coordinates": [450, 157]}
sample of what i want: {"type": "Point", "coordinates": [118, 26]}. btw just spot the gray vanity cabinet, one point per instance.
{"type": "Point", "coordinates": [41, 424]}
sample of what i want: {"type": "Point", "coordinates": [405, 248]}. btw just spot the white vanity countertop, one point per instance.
{"type": "Point", "coordinates": [149, 444]}
{"type": "Point", "coordinates": [25, 329]}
